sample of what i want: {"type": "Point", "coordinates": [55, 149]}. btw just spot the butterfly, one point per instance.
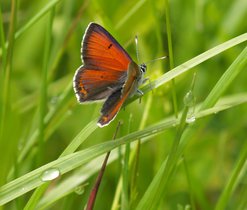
{"type": "Point", "coordinates": [108, 72]}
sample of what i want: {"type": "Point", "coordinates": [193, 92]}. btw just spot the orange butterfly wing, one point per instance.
{"type": "Point", "coordinates": [105, 65]}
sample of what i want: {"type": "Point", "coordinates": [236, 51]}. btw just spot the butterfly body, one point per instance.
{"type": "Point", "coordinates": [134, 78]}
{"type": "Point", "coordinates": [108, 73]}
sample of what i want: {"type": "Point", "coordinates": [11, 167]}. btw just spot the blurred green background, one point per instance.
{"type": "Point", "coordinates": [40, 90]}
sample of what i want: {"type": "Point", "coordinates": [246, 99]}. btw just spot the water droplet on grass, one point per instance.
{"type": "Point", "coordinates": [50, 174]}
{"type": "Point", "coordinates": [189, 99]}
{"type": "Point", "coordinates": [191, 119]}
{"type": "Point", "coordinates": [54, 100]}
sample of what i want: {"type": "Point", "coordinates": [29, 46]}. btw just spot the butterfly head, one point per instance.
{"type": "Point", "coordinates": [143, 68]}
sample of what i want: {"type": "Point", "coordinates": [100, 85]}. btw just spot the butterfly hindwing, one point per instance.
{"type": "Point", "coordinates": [111, 107]}
{"type": "Point", "coordinates": [92, 85]}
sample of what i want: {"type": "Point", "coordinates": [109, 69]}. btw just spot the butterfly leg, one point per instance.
{"type": "Point", "coordinates": [150, 85]}
{"type": "Point", "coordinates": [145, 80]}
{"type": "Point", "coordinates": [140, 93]}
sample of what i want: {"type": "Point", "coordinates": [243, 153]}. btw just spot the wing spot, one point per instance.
{"type": "Point", "coordinates": [82, 90]}
{"type": "Point", "coordinates": [105, 119]}
{"type": "Point", "coordinates": [110, 45]}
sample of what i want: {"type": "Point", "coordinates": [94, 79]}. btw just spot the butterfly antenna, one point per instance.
{"type": "Point", "coordinates": [156, 59]}
{"type": "Point", "coordinates": [137, 51]}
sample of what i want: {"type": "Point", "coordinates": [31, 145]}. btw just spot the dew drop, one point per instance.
{"type": "Point", "coordinates": [54, 100]}
{"type": "Point", "coordinates": [189, 99]}
{"type": "Point", "coordinates": [191, 119]}
{"type": "Point", "coordinates": [50, 174]}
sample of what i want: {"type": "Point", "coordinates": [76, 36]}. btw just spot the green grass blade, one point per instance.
{"type": "Point", "coordinates": [34, 20]}
{"type": "Point", "coordinates": [243, 202]}
{"type": "Point", "coordinates": [130, 13]}
{"type": "Point", "coordinates": [233, 181]}
{"type": "Point", "coordinates": [234, 17]}
{"type": "Point", "coordinates": [153, 194]}
{"type": "Point", "coordinates": [156, 189]}
{"type": "Point", "coordinates": [44, 84]}
{"type": "Point", "coordinates": [171, 59]}
{"type": "Point", "coordinates": [190, 184]}
{"type": "Point", "coordinates": [188, 65]}
{"type": "Point", "coordinates": [6, 112]}
{"type": "Point", "coordinates": [80, 138]}
{"type": "Point", "coordinates": [50, 120]}
{"type": "Point", "coordinates": [75, 181]}
{"type": "Point", "coordinates": [227, 78]}
{"type": "Point", "coordinates": [37, 17]}
{"type": "Point", "coordinates": [2, 41]}
{"type": "Point", "coordinates": [67, 163]}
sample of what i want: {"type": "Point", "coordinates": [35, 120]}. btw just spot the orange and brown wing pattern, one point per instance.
{"type": "Point", "coordinates": [105, 65]}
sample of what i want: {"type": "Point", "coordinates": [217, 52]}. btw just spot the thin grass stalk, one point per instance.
{"type": "Point", "coordinates": [233, 180]}
{"type": "Point", "coordinates": [31, 204]}
{"type": "Point", "coordinates": [171, 57]}
{"type": "Point", "coordinates": [6, 73]}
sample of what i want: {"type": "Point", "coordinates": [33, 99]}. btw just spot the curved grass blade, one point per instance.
{"type": "Point", "coordinates": [31, 180]}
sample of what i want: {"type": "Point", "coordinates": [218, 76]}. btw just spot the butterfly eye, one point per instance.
{"type": "Point", "coordinates": [143, 68]}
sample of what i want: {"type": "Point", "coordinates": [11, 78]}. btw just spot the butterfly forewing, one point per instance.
{"type": "Point", "coordinates": [101, 51]}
